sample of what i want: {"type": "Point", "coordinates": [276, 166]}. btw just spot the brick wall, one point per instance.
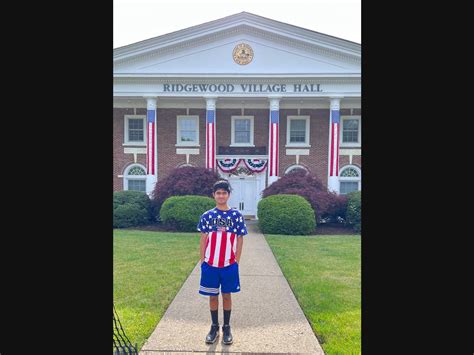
{"type": "Point", "coordinates": [166, 140]}
{"type": "Point", "coordinates": [356, 159]}
{"type": "Point", "coordinates": [121, 160]}
{"type": "Point", "coordinates": [316, 162]}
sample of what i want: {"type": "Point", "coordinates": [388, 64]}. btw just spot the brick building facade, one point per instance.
{"type": "Point", "coordinates": [247, 89]}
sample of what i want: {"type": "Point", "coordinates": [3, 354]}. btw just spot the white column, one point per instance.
{"type": "Point", "coordinates": [151, 152]}
{"type": "Point", "coordinates": [273, 140]}
{"type": "Point", "coordinates": [211, 133]}
{"type": "Point", "coordinates": [334, 138]}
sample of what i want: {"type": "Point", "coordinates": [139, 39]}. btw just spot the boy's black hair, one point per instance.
{"type": "Point", "coordinates": [221, 184]}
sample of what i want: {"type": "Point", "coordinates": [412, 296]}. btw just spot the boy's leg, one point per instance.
{"type": "Point", "coordinates": [227, 301]}
{"type": "Point", "coordinates": [226, 333]}
{"type": "Point", "coordinates": [214, 307]}
{"type": "Point", "coordinates": [214, 303]}
{"type": "Point", "coordinates": [209, 286]}
{"type": "Point", "coordinates": [229, 278]}
{"type": "Point", "coordinates": [227, 306]}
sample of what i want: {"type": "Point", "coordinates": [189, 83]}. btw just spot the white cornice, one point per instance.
{"type": "Point", "coordinates": [244, 23]}
{"type": "Point", "coordinates": [332, 87]}
{"type": "Point", "coordinates": [250, 76]}
{"type": "Point", "coordinates": [236, 79]}
{"type": "Point", "coordinates": [234, 103]}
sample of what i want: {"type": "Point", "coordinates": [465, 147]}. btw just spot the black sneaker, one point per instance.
{"type": "Point", "coordinates": [213, 334]}
{"type": "Point", "coordinates": [227, 335]}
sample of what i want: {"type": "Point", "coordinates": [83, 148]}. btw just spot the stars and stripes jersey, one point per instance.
{"type": "Point", "coordinates": [222, 228]}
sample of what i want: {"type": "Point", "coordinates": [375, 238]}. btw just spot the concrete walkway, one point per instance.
{"type": "Point", "coordinates": [265, 318]}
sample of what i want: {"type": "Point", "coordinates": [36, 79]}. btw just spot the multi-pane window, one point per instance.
{"type": "Point", "coordinates": [349, 172]}
{"type": "Point", "coordinates": [242, 130]}
{"type": "Point", "coordinates": [297, 131]}
{"type": "Point", "coordinates": [136, 170]}
{"type": "Point", "coordinates": [296, 168]}
{"type": "Point", "coordinates": [135, 130]}
{"type": "Point", "coordinates": [137, 185]}
{"type": "Point", "coordinates": [135, 178]}
{"type": "Point", "coordinates": [349, 180]}
{"type": "Point", "coordinates": [350, 130]}
{"type": "Point", "coordinates": [188, 130]}
{"type": "Point", "coordinates": [348, 186]}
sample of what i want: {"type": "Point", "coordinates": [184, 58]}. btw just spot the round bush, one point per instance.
{"type": "Point", "coordinates": [183, 212]}
{"type": "Point", "coordinates": [286, 214]}
{"type": "Point", "coordinates": [141, 199]}
{"type": "Point", "coordinates": [353, 213]}
{"type": "Point", "coordinates": [137, 197]}
{"type": "Point", "coordinates": [130, 215]}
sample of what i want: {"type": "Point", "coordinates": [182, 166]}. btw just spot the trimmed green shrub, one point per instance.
{"type": "Point", "coordinates": [353, 213]}
{"type": "Point", "coordinates": [136, 197]}
{"type": "Point", "coordinates": [286, 214]}
{"type": "Point", "coordinates": [132, 208]}
{"type": "Point", "coordinates": [183, 212]}
{"type": "Point", "coordinates": [130, 215]}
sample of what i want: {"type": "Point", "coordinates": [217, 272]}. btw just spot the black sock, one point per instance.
{"type": "Point", "coordinates": [226, 317]}
{"type": "Point", "coordinates": [215, 316]}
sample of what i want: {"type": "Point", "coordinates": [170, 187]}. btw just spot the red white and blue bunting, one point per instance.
{"type": "Point", "coordinates": [254, 165]}
{"type": "Point", "coordinates": [228, 165]}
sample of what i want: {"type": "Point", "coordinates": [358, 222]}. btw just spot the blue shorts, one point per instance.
{"type": "Point", "coordinates": [212, 277]}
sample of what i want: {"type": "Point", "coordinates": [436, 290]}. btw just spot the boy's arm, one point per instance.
{"type": "Point", "coordinates": [202, 245]}
{"type": "Point", "coordinates": [240, 242]}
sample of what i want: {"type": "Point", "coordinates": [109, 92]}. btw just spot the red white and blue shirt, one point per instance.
{"type": "Point", "coordinates": [222, 228]}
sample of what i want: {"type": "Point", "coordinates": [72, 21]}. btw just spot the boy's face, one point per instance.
{"type": "Point", "coordinates": [221, 196]}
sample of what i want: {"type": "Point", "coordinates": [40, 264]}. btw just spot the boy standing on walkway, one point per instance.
{"type": "Point", "coordinates": [222, 229]}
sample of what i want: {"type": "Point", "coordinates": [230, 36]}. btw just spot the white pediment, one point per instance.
{"type": "Point", "coordinates": [279, 49]}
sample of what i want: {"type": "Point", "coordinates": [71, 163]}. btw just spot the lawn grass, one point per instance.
{"type": "Point", "coordinates": [324, 273]}
{"type": "Point", "coordinates": [149, 270]}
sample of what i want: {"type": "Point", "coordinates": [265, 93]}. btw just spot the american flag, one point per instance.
{"type": "Point", "coordinates": [222, 229]}
{"type": "Point", "coordinates": [334, 164]}
{"type": "Point", "coordinates": [210, 140]}
{"type": "Point", "coordinates": [151, 142]}
{"type": "Point", "coordinates": [273, 143]}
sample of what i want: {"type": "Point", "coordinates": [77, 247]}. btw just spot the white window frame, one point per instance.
{"type": "Point", "coordinates": [359, 179]}
{"type": "Point", "coordinates": [127, 177]}
{"type": "Point", "coordinates": [306, 143]}
{"type": "Point", "coordinates": [351, 144]}
{"type": "Point", "coordinates": [126, 140]}
{"type": "Point", "coordinates": [178, 131]}
{"type": "Point", "coordinates": [232, 133]}
{"type": "Point", "coordinates": [296, 166]}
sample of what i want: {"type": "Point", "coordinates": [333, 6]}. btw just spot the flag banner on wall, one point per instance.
{"type": "Point", "coordinates": [274, 143]}
{"type": "Point", "coordinates": [334, 163]}
{"type": "Point", "coordinates": [228, 165]}
{"type": "Point", "coordinates": [210, 139]}
{"type": "Point", "coordinates": [254, 165]}
{"type": "Point", "coordinates": [150, 154]}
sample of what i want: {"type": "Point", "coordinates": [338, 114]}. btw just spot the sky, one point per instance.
{"type": "Point", "coordinates": [137, 20]}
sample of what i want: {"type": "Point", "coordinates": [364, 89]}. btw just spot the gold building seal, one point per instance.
{"type": "Point", "coordinates": [242, 54]}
